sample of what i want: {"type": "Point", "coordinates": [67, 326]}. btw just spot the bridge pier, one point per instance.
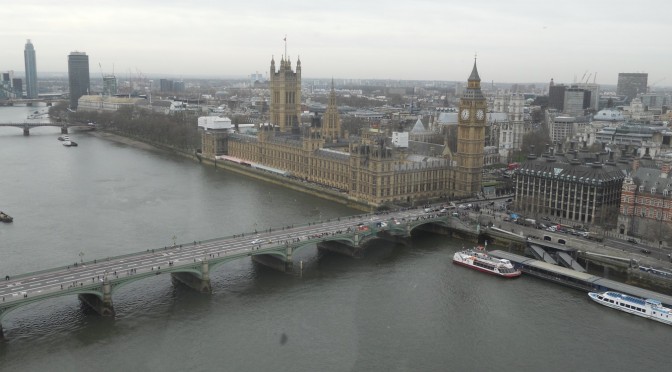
{"type": "Point", "coordinates": [193, 281]}
{"type": "Point", "coordinates": [26, 131]}
{"type": "Point", "coordinates": [340, 248]}
{"type": "Point", "coordinates": [274, 262]}
{"type": "Point", "coordinates": [102, 306]}
{"type": "Point", "coordinates": [64, 130]}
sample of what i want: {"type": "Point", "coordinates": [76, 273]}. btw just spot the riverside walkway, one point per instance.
{"type": "Point", "coordinates": [190, 263]}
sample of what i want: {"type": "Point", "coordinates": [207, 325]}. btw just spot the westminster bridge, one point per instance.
{"type": "Point", "coordinates": [190, 264]}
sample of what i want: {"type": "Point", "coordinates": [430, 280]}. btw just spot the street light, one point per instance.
{"type": "Point", "coordinates": [81, 257]}
{"type": "Point", "coordinates": [174, 238]}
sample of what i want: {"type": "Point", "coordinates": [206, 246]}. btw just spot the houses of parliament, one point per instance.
{"type": "Point", "coordinates": [368, 168]}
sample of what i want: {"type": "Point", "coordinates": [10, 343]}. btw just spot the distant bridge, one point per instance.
{"type": "Point", "coordinates": [190, 264]}
{"type": "Point", "coordinates": [30, 101]}
{"type": "Point", "coordinates": [27, 126]}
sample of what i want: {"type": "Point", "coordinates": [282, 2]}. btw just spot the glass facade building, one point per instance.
{"type": "Point", "coordinates": [31, 70]}
{"type": "Point", "coordinates": [78, 76]}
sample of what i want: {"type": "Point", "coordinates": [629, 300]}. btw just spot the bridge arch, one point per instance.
{"type": "Point", "coordinates": [4, 310]}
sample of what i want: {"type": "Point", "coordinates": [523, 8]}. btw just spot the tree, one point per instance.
{"type": "Point", "coordinates": [533, 143]}
{"type": "Point", "coordinates": [657, 231]}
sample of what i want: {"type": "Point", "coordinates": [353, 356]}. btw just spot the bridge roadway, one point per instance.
{"type": "Point", "coordinates": [27, 126]}
{"type": "Point", "coordinates": [190, 263]}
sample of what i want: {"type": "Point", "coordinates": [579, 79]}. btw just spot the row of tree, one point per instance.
{"type": "Point", "coordinates": [179, 131]}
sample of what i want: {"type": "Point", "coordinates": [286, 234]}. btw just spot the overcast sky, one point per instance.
{"type": "Point", "coordinates": [516, 40]}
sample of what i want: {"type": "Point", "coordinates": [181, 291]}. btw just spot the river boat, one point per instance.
{"type": "Point", "coordinates": [4, 217]}
{"type": "Point", "coordinates": [64, 137]}
{"type": "Point", "coordinates": [646, 308]}
{"type": "Point", "coordinates": [479, 259]}
{"type": "Point", "coordinates": [69, 143]}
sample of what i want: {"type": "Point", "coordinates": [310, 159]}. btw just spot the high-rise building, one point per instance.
{"type": "Point", "coordinates": [78, 76]}
{"type": "Point", "coordinates": [631, 84]}
{"type": "Point", "coordinates": [556, 96]}
{"type": "Point", "coordinates": [109, 85]}
{"type": "Point", "coordinates": [594, 90]}
{"type": "Point", "coordinates": [31, 70]}
{"type": "Point", "coordinates": [17, 87]}
{"type": "Point", "coordinates": [576, 100]}
{"type": "Point", "coordinates": [165, 85]}
{"type": "Point", "coordinates": [286, 95]}
{"type": "Point", "coordinates": [470, 137]}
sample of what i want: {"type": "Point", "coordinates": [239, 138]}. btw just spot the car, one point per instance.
{"type": "Point", "coordinates": [632, 240]}
{"type": "Point", "coordinates": [646, 251]}
{"type": "Point", "coordinates": [257, 241]}
{"type": "Point", "coordinates": [545, 218]}
{"type": "Point", "coordinates": [509, 200]}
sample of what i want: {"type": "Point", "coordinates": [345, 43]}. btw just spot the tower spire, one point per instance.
{"type": "Point", "coordinates": [474, 72]}
{"type": "Point", "coordinates": [285, 40]}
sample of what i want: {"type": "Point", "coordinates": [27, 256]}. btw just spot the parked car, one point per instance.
{"type": "Point", "coordinates": [632, 240]}
{"type": "Point", "coordinates": [646, 251]}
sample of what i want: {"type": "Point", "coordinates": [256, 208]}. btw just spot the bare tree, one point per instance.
{"type": "Point", "coordinates": [657, 231]}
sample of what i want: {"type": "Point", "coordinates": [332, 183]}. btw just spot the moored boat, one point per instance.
{"type": "Point", "coordinates": [646, 308]}
{"type": "Point", "coordinates": [69, 143]}
{"type": "Point", "coordinates": [64, 138]}
{"type": "Point", "coordinates": [4, 217]}
{"type": "Point", "coordinates": [479, 259]}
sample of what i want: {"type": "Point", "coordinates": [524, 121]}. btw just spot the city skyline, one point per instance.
{"type": "Point", "coordinates": [516, 42]}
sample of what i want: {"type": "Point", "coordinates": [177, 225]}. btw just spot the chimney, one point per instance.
{"type": "Point", "coordinates": [646, 154]}
{"type": "Point", "coordinates": [635, 164]}
{"type": "Point", "coordinates": [665, 169]}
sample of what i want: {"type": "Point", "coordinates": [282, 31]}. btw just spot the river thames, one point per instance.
{"type": "Point", "coordinates": [398, 308]}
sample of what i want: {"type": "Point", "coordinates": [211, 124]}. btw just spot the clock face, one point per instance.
{"type": "Point", "coordinates": [465, 114]}
{"type": "Point", "coordinates": [480, 114]}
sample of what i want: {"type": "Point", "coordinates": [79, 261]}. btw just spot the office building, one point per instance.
{"type": "Point", "coordinates": [165, 85]}
{"type": "Point", "coordinates": [576, 101]}
{"type": "Point", "coordinates": [31, 70]}
{"type": "Point", "coordinates": [631, 84]}
{"type": "Point", "coordinates": [78, 76]}
{"type": "Point", "coordinates": [553, 185]}
{"type": "Point", "coordinates": [109, 85]}
{"type": "Point", "coordinates": [17, 87]}
{"type": "Point", "coordinates": [556, 96]}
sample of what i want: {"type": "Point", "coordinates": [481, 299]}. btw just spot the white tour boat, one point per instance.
{"type": "Point", "coordinates": [479, 259]}
{"type": "Point", "coordinates": [646, 308]}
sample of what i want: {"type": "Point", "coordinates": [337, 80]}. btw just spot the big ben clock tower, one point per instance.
{"type": "Point", "coordinates": [470, 137]}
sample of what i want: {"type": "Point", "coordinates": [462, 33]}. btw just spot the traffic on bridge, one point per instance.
{"type": "Point", "coordinates": [190, 263]}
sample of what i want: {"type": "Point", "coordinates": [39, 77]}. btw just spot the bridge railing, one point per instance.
{"type": "Point", "coordinates": [360, 217]}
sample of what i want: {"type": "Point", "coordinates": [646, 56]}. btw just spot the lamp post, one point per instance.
{"type": "Point", "coordinates": [81, 257]}
{"type": "Point", "coordinates": [174, 238]}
